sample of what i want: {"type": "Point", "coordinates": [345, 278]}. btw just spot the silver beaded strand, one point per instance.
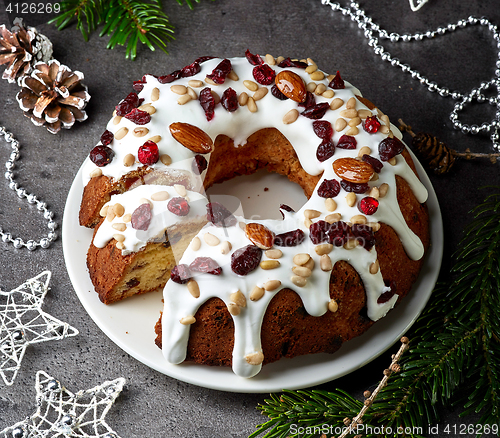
{"type": "Point", "coordinates": [31, 198]}
{"type": "Point", "coordinates": [365, 23]}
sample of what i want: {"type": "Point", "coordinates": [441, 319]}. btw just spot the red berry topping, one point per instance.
{"type": "Point", "coordinates": [287, 62]}
{"type": "Point", "coordinates": [386, 296]}
{"type": "Point", "coordinates": [199, 164]}
{"type": "Point", "coordinates": [316, 111]}
{"type": "Point", "coordinates": [207, 102]}
{"type": "Point", "coordinates": [190, 70]}
{"type": "Point", "coordinates": [205, 264]}
{"type": "Point", "coordinates": [107, 137]}
{"type": "Point", "coordinates": [364, 235]}
{"type": "Point", "coordinates": [371, 125]}
{"type": "Point", "coordinates": [178, 206]}
{"type": "Point", "coordinates": [390, 147]}
{"type": "Point", "coordinates": [358, 188]}
{"type": "Point", "coordinates": [148, 153]}
{"type": "Point", "coordinates": [245, 260]}
{"type": "Point", "coordinates": [290, 238]}
{"type": "Point", "coordinates": [329, 188]}
{"type": "Point", "coordinates": [127, 104]}
{"type": "Point", "coordinates": [323, 129]}
{"type": "Point", "coordinates": [310, 100]}
{"type": "Point", "coordinates": [219, 215]}
{"type": "Point", "coordinates": [180, 274]}
{"type": "Point", "coordinates": [325, 150]}
{"type": "Point", "coordinates": [138, 116]}
{"type": "Point", "coordinates": [287, 208]}
{"type": "Point", "coordinates": [372, 161]}
{"type": "Point", "coordinates": [368, 205]}
{"type": "Point", "coordinates": [347, 142]}
{"type": "Point", "coordinates": [202, 59]}
{"type": "Point", "coordinates": [253, 59]}
{"type": "Point", "coordinates": [220, 72]}
{"type": "Point", "coordinates": [166, 79]}
{"type": "Point", "coordinates": [336, 233]}
{"type": "Point", "coordinates": [337, 82]}
{"type": "Point", "coordinates": [275, 91]}
{"type": "Point", "coordinates": [141, 217]}
{"type": "Point", "coordinates": [101, 155]}
{"type": "Point", "coordinates": [229, 100]}
{"type": "Point", "coordinates": [264, 74]}
{"type": "Point", "coordinates": [138, 85]}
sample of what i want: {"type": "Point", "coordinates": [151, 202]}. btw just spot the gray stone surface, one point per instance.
{"type": "Point", "coordinates": [152, 404]}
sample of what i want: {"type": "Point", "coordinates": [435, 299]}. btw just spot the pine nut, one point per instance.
{"type": "Point", "coordinates": [155, 94]}
{"type": "Point", "coordinates": [340, 124]}
{"type": "Point", "coordinates": [352, 131]}
{"type": "Point", "coordinates": [348, 113]}
{"type": "Point", "coordinates": [325, 263]}
{"type": "Point", "coordinates": [270, 59]}
{"type": "Point", "coordinates": [351, 103]}
{"type": "Point", "coordinates": [238, 298]}
{"type": "Point", "coordinates": [128, 160]}
{"type": "Point", "coordinates": [120, 245]}
{"type": "Point", "coordinates": [180, 189]}
{"type": "Point", "coordinates": [187, 320]}
{"type": "Point", "coordinates": [384, 129]}
{"type": "Point", "coordinates": [252, 107]}
{"type": "Point", "coordinates": [364, 113]}
{"type": "Point", "coordinates": [119, 237]}
{"type": "Point", "coordinates": [351, 199]}
{"type": "Point", "coordinates": [193, 288]}
{"type": "Point", "coordinates": [226, 247]}
{"type": "Point", "coordinates": [127, 218]}
{"type": "Point", "coordinates": [311, 214]}
{"type": "Point", "coordinates": [270, 264]}
{"type": "Point", "coordinates": [165, 159]}
{"type": "Point", "coordinates": [210, 81]}
{"type": "Point", "coordinates": [302, 271]}
{"type": "Point", "coordinates": [279, 59]}
{"type": "Point", "coordinates": [96, 172]}
{"type": "Point", "coordinates": [155, 139]}
{"type": "Point", "coordinates": [359, 219]}
{"type": "Point", "coordinates": [301, 258]}
{"type": "Point", "coordinates": [110, 215]}
{"type": "Point", "coordinates": [145, 201]}
{"type": "Point", "coordinates": [310, 264]}
{"type": "Point", "coordinates": [374, 267]}
{"type": "Point", "coordinates": [333, 306]}
{"type": "Point", "coordinates": [118, 210]}
{"type": "Point", "coordinates": [257, 293]}
{"type": "Point", "coordinates": [332, 218]}
{"type": "Point", "coordinates": [336, 103]}
{"type": "Point", "coordinates": [324, 248]}
{"type": "Point", "coordinates": [374, 177]}
{"type": "Point", "coordinates": [210, 239]}
{"type": "Point", "coordinates": [192, 93]}
{"type": "Point", "coordinates": [104, 211]}
{"type": "Point", "coordinates": [393, 161]}
{"type": "Point", "coordinates": [119, 227]}
{"type": "Point", "coordinates": [386, 120]}
{"type": "Point", "coordinates": [260, 93]}
{"type": "Point", "coordinates": [184, 99]}
{"type": "Point", "coordinates": [328, 94]}
{"type": "Point", "coordinates": [375, 226]}
{"type": "Point", "coordinates": [140, 132]}
{"type": "Point", "coordinates": [195, 83]}
{"type": "Point", "coordinates": [274, 253]}
{"type": "Point", "coordinates": [234, 309]}
{"type": "Point", "coordinates": [311, 68]}
{"type": "Point", "coordinates": [354, 122]}
{"type": "Point", "coordinates": [122, 132]}
{"type": "Point", "coordinates": [383, 189]}
{"type": "Point", "coordinates": [330, 204]}
{"type": "Point", "coordinates": [255, 358]}
{"type": "Point", "coordinates": [160, 196]}
{"type": "Point", "coordinates": [317, 75]}
{"type": "Point", "coordinates": [195, 244]}
{"type": "Point", "coordinates": [311, 87]}
{"type": "Point", "coordinates": [233, 76]}
{"type": "Point", "coordinates": [320, 89]}
{"type": "Point", "coordinates": [150, 109]}
{"type": "Point", "coordinates": [178, 89]}
{"type": "Point", "coordinates": [290, 117]}
{"type": "Point", "coordinates": [308, 223]}
{"type": "Point", "coordinates": [365, 150]}
{"type": "Point", "coordinates": [251, 85]}
{"type": "Point", "coordinates": [272, 285]}
{"type": "Point", "coordinates": [374, 192]}
{"type": "Point", "coordinates": [298, 281]}
{"type": "Point", "coordinates": [243, 99]}
{"type": "Point", "coordinates": [117, 120]}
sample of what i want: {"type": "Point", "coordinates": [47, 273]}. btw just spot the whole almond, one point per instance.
{"type": "Point", "coordinates": [353, 170]}
{"type": "Point", "coordinates": [259, 235]}
{"type": "Point", "coordinates": [291, 85]}
{"type": "Point", "coordinates": [191, 137]}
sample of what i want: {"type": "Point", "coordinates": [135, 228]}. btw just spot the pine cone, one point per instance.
{"type": "Point", "coordinates": [21, 48]}
{"type": "Point", "coordinates": [53, 96]}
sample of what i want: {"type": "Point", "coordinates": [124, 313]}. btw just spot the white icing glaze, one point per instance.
{"type": "Point", "coordinates": [239, 125]}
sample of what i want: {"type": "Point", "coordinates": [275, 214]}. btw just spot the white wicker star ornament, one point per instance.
{"type": "Point", "coordinates": [415, 5]}
{"type": "Point", "coordinates": [23, 323]}
{"type": "Point", "coordinates": [61, 413]}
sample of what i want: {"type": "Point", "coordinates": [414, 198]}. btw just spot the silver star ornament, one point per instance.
{"type": "Point", "coordinates": [23, 323]}
{"type": "Point", "coordinates": [61, 413]}
{"type": "Point", "coordinates": [415, 5]}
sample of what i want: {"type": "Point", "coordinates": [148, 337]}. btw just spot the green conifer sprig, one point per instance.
{"type": "Point", "coordinates": [126, 22]}
{"type": "Point", "coordinates": [455, 350]}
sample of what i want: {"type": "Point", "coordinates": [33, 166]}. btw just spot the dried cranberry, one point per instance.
{"type": "Point", "coordinates": [287, 208]}
{"type": "Point", "coordinates": [358, 188]}
{"type": "Point", "coordinates": [202, 59]}
{"type": "Point", "coordinates": [290, 238]}
{"type": "Point", "coordinates": [275, 91]}
{"type": "Point", "coordinates": [364, 235]}
{"type": "Point", "coordinates": [325, 150]}
{"type": "Point", "coordinates": [316, 111]}
{"type": "Point", "coordinates": [336, 233]}
{"type": "Point", "coordinates": [199, 164]}
{"type": "Point", "coordinates": [390, 147]}
{"type": "Point", "coordinates": [287, 62]}
{"type": "Point", "coordinates": [220, 72]}
{"type": "Point", "coordinates": [368, 205]}
{"type": "Point", "coordinates": [107, 137]}
{"type": "Point", "coordinates": [127, 104]}
{"type": "Point", "coordinates": [372, 161]}
{"type": "Point", "coordinates": [329, 188]}
{"type": "Point", "coordinates": [141, 217]}
{"type": "Point", "coordinates": [219, 215]}
{"type": "Point", "coordinates": [229, 100]}
{"type": "Point", "coordinates": [148, 153]}
{"type": "Point", "coordinates": [371, 125]}
{"type": "Point", "coordinates": [138, 85]}
{"type": "Point", "coordinates": [337, 82]}
{"type": "Point", "coordinates": [318, 232]}
{"type": "Point", "coordinates": [347, 142]}
{"type": "Point", "coordinates": [264, 74]}
{"type": "Point", "coordinates": [323, 129]}
{"type": "Point", "coordinates": [205, 264]}
{"type": "Point", "coordinates": [101, 155]}
{"type": "Point", "coordinates": [166, 79]}
{"type": "Point", "coordinates": [190, 70]}
{"type": "Point", "coordinates": [253, 59]}
{"type": "Point", "coordinates": [245, 260]}
{"type": "Point", "coordinates": [180, 274]}
{"type": "Point", "coordinates": [207, 102]}
{"type": "Point", "coordinates": [310, 100]}
{"type": "Point", "coordinates": [138, 116]}
{"type": "Point", "coordinates": [178, 206]}
{"type": "Point", "coordinates": [386, 296]}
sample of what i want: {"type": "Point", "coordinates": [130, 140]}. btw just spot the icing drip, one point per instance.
{"type": "Point", "coordinates": [180, 305]}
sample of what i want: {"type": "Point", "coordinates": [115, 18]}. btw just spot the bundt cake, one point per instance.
{"type": "Point", "coordinates": [243, 292]}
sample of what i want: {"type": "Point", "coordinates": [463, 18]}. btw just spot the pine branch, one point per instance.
{"type": "Point", "coordinates": [126, 22]}
{"type": "Point", "coordinates": [456, 346]}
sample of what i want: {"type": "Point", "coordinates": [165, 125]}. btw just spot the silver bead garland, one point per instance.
{"type": "Point", "coordinates": [372, 29]}
{"type": "Point", "coordinates": [30, 197]}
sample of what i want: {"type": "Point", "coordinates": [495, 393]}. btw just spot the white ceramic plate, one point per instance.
{"type": "Point", "coordinates": [130, 324]}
